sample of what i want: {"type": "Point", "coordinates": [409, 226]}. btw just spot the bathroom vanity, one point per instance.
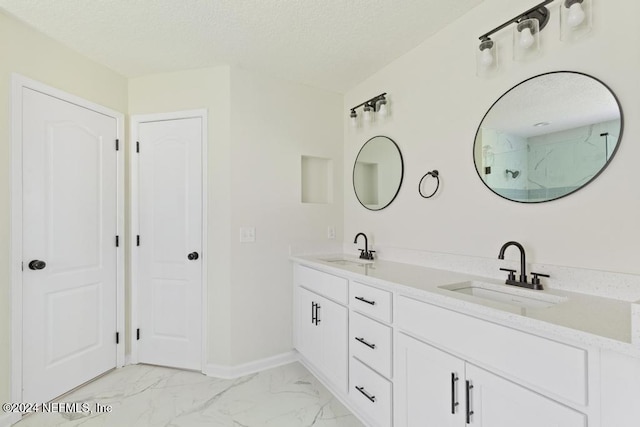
{"type": "Point", "coordinates": [404, 345]}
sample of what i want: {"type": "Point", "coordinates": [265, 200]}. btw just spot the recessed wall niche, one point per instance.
{"type": "Point", "coordinates": [317, 180]}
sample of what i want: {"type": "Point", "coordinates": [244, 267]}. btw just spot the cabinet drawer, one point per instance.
{"type": "Point", "coordinates": [371, 301]}
{"type": "Point", "coordinates": [536, 362]}
{"type": "Point", "coordinates": [370, 342]}
{"type": "Point", "coordinates": [324, 284]}
{"type": "Point", "coordinates": [370, 393]}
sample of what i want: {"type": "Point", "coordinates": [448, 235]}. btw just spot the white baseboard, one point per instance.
{"type": "Point", "coordinates": [8, 419]}
{"type": "Point", "coordinates": [231, 372]}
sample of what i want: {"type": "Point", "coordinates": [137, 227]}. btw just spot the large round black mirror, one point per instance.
{"type": "Point", "coordinates": [377, 173]}
{"type": "Point", "coordinates": [548, 137]}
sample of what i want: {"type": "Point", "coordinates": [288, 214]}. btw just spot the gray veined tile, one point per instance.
{"type": "Point", "coordinates": [142, 395]}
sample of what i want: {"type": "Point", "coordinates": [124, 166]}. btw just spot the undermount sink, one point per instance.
{"type": "Point", "coordinates": [347, 261]}
{"type": "Point", "coordinates": [505, 294]}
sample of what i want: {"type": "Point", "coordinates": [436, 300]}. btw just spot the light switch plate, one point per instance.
{"type": "Point", "coordinates": [247, 234]}
{"type": "Point", "coordinates": [331, 232]}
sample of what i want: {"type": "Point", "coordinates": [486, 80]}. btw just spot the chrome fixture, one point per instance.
{"type": "Point", "coordinates": [377, 104]}
{"type": "Point", "coordinates": [522, 282]}
{"type": "Point", "coordinates": [514, 174]}
{"type": "Point", "coordinates": [575, 21]}
{"type": "Point", "coordinates": [364, 253]}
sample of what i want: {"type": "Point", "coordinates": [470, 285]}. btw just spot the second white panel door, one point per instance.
{"type": "Point", "coordinates": [170, 241]}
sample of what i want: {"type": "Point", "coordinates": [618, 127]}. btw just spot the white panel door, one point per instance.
{"type": "Point", "coordinates": [429, 386]}
{"type": "Point", "coordinates": [170, 227]}
{"type": "Point", "coordinates": [69, 226]}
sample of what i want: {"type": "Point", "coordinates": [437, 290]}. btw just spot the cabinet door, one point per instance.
{"type": "Point", "coordinates": [496, 402]}
{"type": "Point", "coordinates": [333, 324]}
{"type": "Point", "coordinates": [429, 386]}
{"type": "Point", "coordinates": [308, 334]}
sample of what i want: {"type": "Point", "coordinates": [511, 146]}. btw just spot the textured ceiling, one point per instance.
{"type": "Point", "coordinates": [332, 44]}
{"type": "Point", "coordinates": [563, 100]}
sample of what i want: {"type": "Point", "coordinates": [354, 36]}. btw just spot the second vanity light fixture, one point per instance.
{"type": "Point", "coordinates": [575, 21]}
{"type": "Point", "coordinates": [377, 104]}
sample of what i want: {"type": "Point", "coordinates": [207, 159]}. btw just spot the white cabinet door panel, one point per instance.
{"type": "Point", "coordinates": [429, 386]}
{"type": "Point", "coordinates": [496, 402]}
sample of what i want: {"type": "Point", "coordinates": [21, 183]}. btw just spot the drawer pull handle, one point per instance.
{"type": "Point", "coordinates": [367, 395]}
{"type": "Point", "coordinates": [362, 340]}
{"type": "Point", "coordinates": [454, 401]}
{"type": "Point", "coordinates": [366, 300]}
{"type": "Point", "coordinates": [468, 396]}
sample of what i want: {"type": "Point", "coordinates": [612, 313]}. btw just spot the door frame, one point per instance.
{"type": "Point", "coordinates": [18, 83]}
{"type": "Point", "coordinates": [134, 228]}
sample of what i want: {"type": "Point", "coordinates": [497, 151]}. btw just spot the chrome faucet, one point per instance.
{"type": "Point", "coordinates": [511, 280]}
{"type": "Point", "coordinates": [364, 253]}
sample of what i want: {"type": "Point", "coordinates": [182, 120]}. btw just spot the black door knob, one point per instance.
{"type": "Point", "coordinates": [37, 264]}
{"type": "Point", "coordinates": [193, 256]}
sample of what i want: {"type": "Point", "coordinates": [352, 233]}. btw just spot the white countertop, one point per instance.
{"type": "Point", "coordinates": [585, 319]}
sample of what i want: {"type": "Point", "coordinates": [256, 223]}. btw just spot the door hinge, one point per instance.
{"type": "Point", "coordinates": [117, 337]}
{"type": "Point", "coordinates": [138, 334]}
{"type": "Point", "coordinates": [137, 146]}
{"type": "Point", "coordinates": [138, 240]}
{"type": "Point", "coordinates": [117, 144]}
{"type": "Point", "coordinates": [117, 241]}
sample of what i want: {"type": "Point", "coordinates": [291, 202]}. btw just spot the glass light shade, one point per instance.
{"type": "Point", "coordinates": [367, 116]}
{"type": "Point", "coordinates": [354, 119]}
{"type": "Point", "coordinates": [575, 19]}
{"type": "Point", "coordinates": [526, 39]}
{"type": "Point", "coordinates": [486, 58]}
{"type": "Point", "coordinates": [382, 108]}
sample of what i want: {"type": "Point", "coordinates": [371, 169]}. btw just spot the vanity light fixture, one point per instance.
{"type": "Point", "coordinates": [377, 104]}
{"type": "Point", "coordinates": [575, 21]}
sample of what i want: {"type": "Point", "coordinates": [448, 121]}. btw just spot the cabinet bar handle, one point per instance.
{"type": "Point", "coordinates": [318, 313]}
{"type": "Point", "coordinates": [365, 300]}
{"type": "Point", "coordinates": [313, 313]}
{"type": "Point", "coordinates": [454, 403]}
{"type": "Point", "coordinates": [362, 340]}
{"type": "Point", "coordinates": [468, 396]}
{"type": "Point", "coordinates": [367, 395]}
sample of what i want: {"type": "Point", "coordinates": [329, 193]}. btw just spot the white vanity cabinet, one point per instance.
{"type": "Point", "coordinates": [401, 357]}
{"type": "Point", "coordinates": [436, 388]}
{"type": "Point", "coordinates": [322, 324]}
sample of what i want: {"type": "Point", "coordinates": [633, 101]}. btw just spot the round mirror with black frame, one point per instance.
{"type": "Point", "coordinates": [377, 173]}
{"type": "Point", "coordinates": [548, 137]}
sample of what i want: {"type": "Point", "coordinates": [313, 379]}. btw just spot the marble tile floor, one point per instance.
{"type": "Point", "coordinates": [143, 395]}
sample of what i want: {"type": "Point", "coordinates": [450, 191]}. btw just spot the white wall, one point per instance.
{"type": "Point", "coordinates": [259, 127]}
{"type": "Point", "coordinates": [273, 124]}
{"type": "Point", "coordinates": [437, 102]}
{"type": "Point", "coordinates": [33, 55]}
